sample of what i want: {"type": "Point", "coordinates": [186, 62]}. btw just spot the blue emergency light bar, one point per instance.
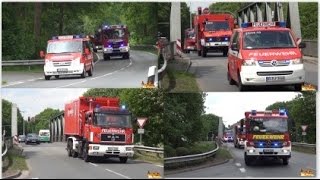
{"type": "Point", "coordinates": [282, 112]}
{"type": "Point", "coordinates": [264, 24]}
{"type": "Point", "coordinates": [254, 112]}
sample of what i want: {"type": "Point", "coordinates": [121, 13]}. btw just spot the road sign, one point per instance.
{"type": "Point", "coordinates": [141, 122]}
{"type": "Point", "coordinates": [304, 133]}
{"type": "Point", "coordinates": [140, 131]}
{"type": "Point", "coordinates": [304, 127]}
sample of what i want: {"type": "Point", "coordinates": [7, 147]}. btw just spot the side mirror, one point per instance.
{"type": "Point", "coordinates": [234, 47]}
{"type": "Point", "coordinates": [86, 51]}
{"type": "Point", "coordinates": [42, 55]}
{"type": "Point", "coordinates": [302, 45]}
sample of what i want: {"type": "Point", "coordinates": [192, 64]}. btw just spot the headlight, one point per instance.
{"type": "Point", "coordinates": [76, 61]}
{"type": "Point", "coordinates": [297, 61]}
{"type": "Point", "coordinates": [249, 62]}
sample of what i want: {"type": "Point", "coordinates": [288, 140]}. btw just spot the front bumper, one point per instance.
{"type": "Point", "coordinates": [51, 70]}
{"type": "Point", "coordinates": [216, 44]}
{"type": "Point", "coordinates": [241, 143]}
{"type": "Point", "coordinates": [111, 150]}
{"type": "Point", "coordinates": [268, 152]}
{"type": "Point", "coordinates": [295, 75]}
{"type": "Point", "coordinates": [116, 51]}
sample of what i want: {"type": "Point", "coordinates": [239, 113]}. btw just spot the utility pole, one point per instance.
{"type": "Point", "coordinates": [190, 16]}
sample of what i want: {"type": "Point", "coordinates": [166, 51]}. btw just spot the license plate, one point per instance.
{"type": "Point", "coordinates": [275, 78]}
{"type": "Point", "coordinates": [268, 150]}
{"type": "Point", "coordinates": [112, 148]}
{"type": "Point", "coordinates": [62, 70]}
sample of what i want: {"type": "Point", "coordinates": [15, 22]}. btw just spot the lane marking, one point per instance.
{"type": "Point", "coordinates": [243, 170]}
{"type": "Point", "coordinates": [118, 174]}
{"type": "Point", "coordinates": [159, 165]}
{"type": "Point", "coordinates": [238, 164]}
{"type": "Point", "coordinates": [72, 84]}
{"type": "Point", "coordinates": [94, 164]}
{"type": "Point", "coordinates": [14, 83]}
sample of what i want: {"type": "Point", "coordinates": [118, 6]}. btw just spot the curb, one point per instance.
{"type": "Point", "coordinates": [167, 172]}
{"type": "Point", "coordinates": [13, 176]}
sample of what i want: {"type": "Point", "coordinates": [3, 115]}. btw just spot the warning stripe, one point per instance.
{"type": "Point", "coordinates": [178, 47]}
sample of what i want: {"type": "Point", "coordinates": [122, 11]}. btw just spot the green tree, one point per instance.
{"type": "Point", "coordinates": [210, 123]}
{"type": "Point", "coordinates": [6, 118]}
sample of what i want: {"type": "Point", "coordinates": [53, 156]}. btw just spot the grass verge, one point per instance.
{"type": "Point", "coordinates": [148, 157]}
{"type": "Point", "coordinates": [304, 149]}
{"type": "Point", "coordinates": [13, 162]}
{"type": "Point", "coordinates": [4, 82]}
{"type": "Point", "coordinates": [179, 81]}
{"type": "Point", "coordinates": [147, 49]}
{"type": "Point", "coordinates": [32, 68]}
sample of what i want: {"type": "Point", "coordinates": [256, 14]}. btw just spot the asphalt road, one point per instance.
{"type": "Point", "coordinates": [114, 73]}
{"type": "Point", "coordinates": [267, 168]}
{"type": "Point", "coordinates": [211, 74]}
{"type": "Point", "coordinates": [48, 161]}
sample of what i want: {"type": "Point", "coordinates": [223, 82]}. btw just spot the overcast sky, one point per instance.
{"type": "Point", "coordinates": [32, 101]}
{"type": "Point", "coordinates": [196, 4]}
{"type": "Point", "coordinates": [231, 106]}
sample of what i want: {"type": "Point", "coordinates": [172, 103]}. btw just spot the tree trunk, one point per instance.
{"type": "Point", "coordinates": [37, 26]}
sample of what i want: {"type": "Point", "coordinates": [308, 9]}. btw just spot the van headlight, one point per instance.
{"type": "Point", "coordinates": [297, 61]}
{"type": "Point", "coordinates": [249, 62]}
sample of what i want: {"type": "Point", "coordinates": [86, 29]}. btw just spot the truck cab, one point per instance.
{"type": "Point", "coordinates": [67, 55]}
{"type": "Point", "coordinates": [267, 136]}
{"type": "Point", "coordinates": [265, 53]}
{"type": "Point", "coordinates": [189, 43]}
{"type": "Point", "coordinates": [115, 41]}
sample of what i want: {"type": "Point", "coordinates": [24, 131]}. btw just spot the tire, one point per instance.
{"type": "Point", "coordinates": [83, 74]}
{"type": "Point", "coordinates": [106, 57]}
{"type": "Point", "coordinates": [56, 76]}
{"type": "Point", "coordinates": [285, 161]}
{"type": "Point", "coordinates": [240, 85]}
{"type": "Point", "coordinates": [123, 159]}
{"type": "Point", "coordinates": [247, 160]}
{"type": "Point", "coordinates": [90, 72]}
{"type": "Point", "coordinates": [203, 52]}
{"type": "Point", "coordinates": [47, 77]}
{"type": "Point", "coordinates": [225, 53]}
{"type": "Point", "coordinates": [69, 148]}
{"type": "Point", "coordinates": [230, 80]}
{"type": "Point", "coordinates": [298, 87]}
{"type": "Point", "coordinates": [86, 157]}
{"type": "Point", "coordinates": [126, 56]}
{"type": "Point", "coordinates": [199, 53]}
{"type": "Point", "coordinates": [95, 50]}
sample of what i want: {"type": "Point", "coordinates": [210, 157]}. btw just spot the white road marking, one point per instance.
{"type": "Point", "coordinates": [72, 84]}
{"type": "Point", "coordinates": [94, 164]}
{"type": "Point", "coordinates": [243, 170]}
{"type": "Point", "coordinates": [118, 174]}
{"type": "Point", "coordinates": [238, 164]}
{"type": "Point", "coordinates": [159, 165]}
{"type": "Point", "coordinates": [14, 83]}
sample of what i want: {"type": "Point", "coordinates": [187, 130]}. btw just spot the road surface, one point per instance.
{"type": "Point", "coordinates": [114, 73]}
{"type": "Point", "coordinates": [48, 161]}
{"type": "Point", "coordinates": [211, 74]}
{"type": "Point", "coordinates": [268, 168]}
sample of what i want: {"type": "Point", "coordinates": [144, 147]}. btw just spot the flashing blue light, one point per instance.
{"type": "Point", "coordinates": [275, 144]}
{"type": "Point", "coordinates": [123, 107]}
{"type": "Point", "coordinates": [210, 39]}
{"type": "Point", "coordinates": [226, 39]}
{"type": "Point", "coordinates": [54, 37]}
{"type": "Point", "coordinates": [253, 112]}
{"type": "Point", "coordinates": [109, 46]}
{"type": "Point", "coordinates": [245, 25]}
{"type": "Point", "coordinates": [282, 24]}
{"type": "Point", "coordinates": [98, 106]}
{"type": "Point", "coordinates": [282, 112]}
{"type": "Point", "coordinates": [261, 144]}
{"type": "Point", "coordinates": [121, 45]}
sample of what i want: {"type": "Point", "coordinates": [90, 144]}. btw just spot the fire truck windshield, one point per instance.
{"type": "Point", "coordinates": [64, 47]}
{"type": "Point", "coordinates": [268, 125]}
{"type": "Point", "coordinates": [113, 120]}
{"type": "Point", "coordinates": [114, 33]}
{"type": "Point", "coordinates": [268, 40]}
{"type": "Point", "coordinates": [217, 26]}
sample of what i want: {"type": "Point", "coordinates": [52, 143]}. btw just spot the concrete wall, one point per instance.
{"type": "Point", "coordinates": [311, 48]}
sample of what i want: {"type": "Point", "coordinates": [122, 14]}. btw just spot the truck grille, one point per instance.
{"type": "Point", "coordinates": [268, 144]}
{"type": "Point", "coordinates": [61, 63]}
{"type": "Point", "coordinates": [274, 73]}
{"type": "Point", "coordinates": [113, 137]}
{"type": "Point", "coordinates": [274, 63]}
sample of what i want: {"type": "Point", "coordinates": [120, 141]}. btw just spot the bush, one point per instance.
{"type": "Point", "coordinates": [169, 151]}
{"type": "Point", "coordinates": [196, 150]}
{"type": "Point", "coordinates": [182, 151]}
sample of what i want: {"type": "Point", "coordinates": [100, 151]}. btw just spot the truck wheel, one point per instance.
{"type": "Point", "coordinates": [56, 76]}
{"type": "Point", "coordinates": [95, 50]}
{"type": "Point", "coordinates": [90, 72]}
{"type": "Point", "coordinates": [247, 160]}
{"type": "Point", "coordinates": [125, 56]}
{"type": "Point", "coordinates": [69, 149]}
{"type": "Point", "coordinates": [106, 57]}
{"type": "Point", "coordinates": [86, 157]}
{"type": "Point", "coordinates": [230, 80]}
{"type": "Point", "coordinates": [298, 87]}
{"type": "Point", "coordinates": [199, 53]}
{"type": "Point", "coordinates": [285, 161]}
{"type": "Point", "coordinates": [203, 52]}
{"type": "Point", "coordinates": [225, 53]}
{"type": "Point", "coordinates": [47, 77]}
{"type": "Point", "coordinates": [123, 159]}
{"type": "Point", "coordinates": [240, 85]}
{"type": "Point", "coordinates": [83, 74]}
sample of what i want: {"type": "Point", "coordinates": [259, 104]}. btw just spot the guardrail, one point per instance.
{"type": "Point", "coordinates": [188, 158]}
{"type": "Point", "coordinates": [311, 48]}
{"type": "Point", "coordinates": [149, 149]}
{"type": "Point", "coordinates": [303, 145]}
{"type": "Point", "coordinates": [22, 62]}
{"type": "Point", "coordinates": [8, 143]}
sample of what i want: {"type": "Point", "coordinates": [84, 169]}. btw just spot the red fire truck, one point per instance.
{"type": "Point", "coordinates": [212, 31]}
{"type": "Point", "coordinates": [189, 43]}
{"type": "Point", "coordinates": [267, 135]}
{"type": "Point", "coordinates": [98, 126]}
{"type": "Point", "coordinates": [239, 136]}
